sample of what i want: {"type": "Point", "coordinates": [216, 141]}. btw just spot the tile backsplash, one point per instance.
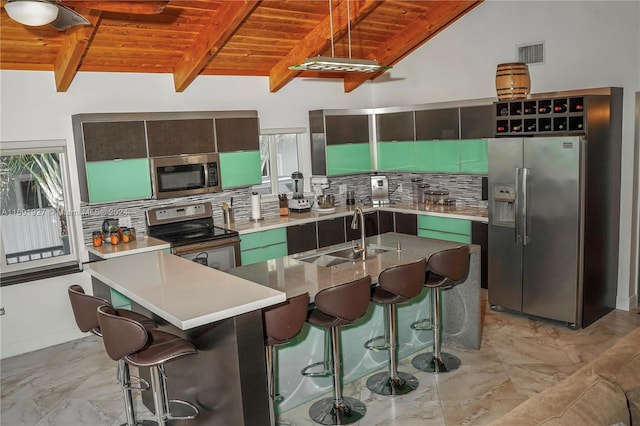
{"type": "Point", "coordinates": [466, 189]}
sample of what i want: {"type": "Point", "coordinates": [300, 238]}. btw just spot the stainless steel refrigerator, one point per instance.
{"type": "Point", "coordinates": [536, 226]}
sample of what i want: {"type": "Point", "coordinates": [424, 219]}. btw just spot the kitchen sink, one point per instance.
{"type": "Point", "coordinates": [342, 255]}
{"type": "Point", "coordinates": [324, 260]}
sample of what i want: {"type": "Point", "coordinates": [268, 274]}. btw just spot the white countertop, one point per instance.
{"type": "Point", "coordinates": [139, 245]}
{"type": "Point", "coordinates": [184, 293]}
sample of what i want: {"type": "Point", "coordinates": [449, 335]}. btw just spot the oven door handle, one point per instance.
{"type": "Point", "coordinates": [190, 248]}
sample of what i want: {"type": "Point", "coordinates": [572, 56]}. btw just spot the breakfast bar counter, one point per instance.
{"type": "Point", "coordinates": [217, 312]}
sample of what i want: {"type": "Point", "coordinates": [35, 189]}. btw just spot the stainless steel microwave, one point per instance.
{"type": "Point", "coordinates": [185, 175]}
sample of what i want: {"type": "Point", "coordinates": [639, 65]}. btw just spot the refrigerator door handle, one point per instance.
{"type": "Point", "coordinates": [525, 232]}
{"type": "Point", "coordinates": [517, 206]}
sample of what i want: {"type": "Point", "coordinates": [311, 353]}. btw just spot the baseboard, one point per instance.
{"type": "Point", "coordinates": [627, 303]}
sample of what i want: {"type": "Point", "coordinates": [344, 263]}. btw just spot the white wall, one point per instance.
{"type": "Point", "coordinates": [589, 44]}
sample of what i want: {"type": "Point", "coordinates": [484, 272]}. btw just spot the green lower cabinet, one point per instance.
{"type": "Point", "coordinates": [474, 156]}
{"type": "Point", "coordinates": [438, 156]}
{"type": "Point", "coordinates": [348, 158]}
{"type": "Point", "coordinates": [442, 228]}
{"type": "Point", "coordinates": [118, 300]}
{"type": "Point", "coordinates": [240, 169]}
{"type": "Point", "coordinates": [118, 180]}
{"type": "Point", "coordinates": [261, 246]}
{"type": "Point", "coordinates": [396, 156]}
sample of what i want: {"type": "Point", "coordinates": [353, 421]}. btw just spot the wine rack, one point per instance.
{"type": "Point", "coordinates": [528, 117]}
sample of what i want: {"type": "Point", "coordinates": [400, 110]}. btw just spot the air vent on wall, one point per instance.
{"type": "Point", "coordinates": [531, 53]}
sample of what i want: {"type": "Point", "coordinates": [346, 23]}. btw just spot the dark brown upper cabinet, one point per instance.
{"type": "Point", "coordinates": [477, 122]}
{"type": "Point", "coordinates": [437, 124]}
{"type": "Point", "coordinates": [342, 129]}
{"type": "Point", "coordinates": [237, 134]}
{"type": "Point", "coordinates": [175, 137]}
{"type": "Point", "coordinates": [395, 126]}
{"type": "Point", "coordinates": [104, 141]}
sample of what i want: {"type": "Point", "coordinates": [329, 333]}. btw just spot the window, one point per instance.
{"type": "Point", "coordinates": [34, 209]}
{"type": "Point", "coordinates": [282, 152]}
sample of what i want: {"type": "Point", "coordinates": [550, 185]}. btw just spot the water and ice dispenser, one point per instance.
{"type": "Point", "coordinates": [503, 198]}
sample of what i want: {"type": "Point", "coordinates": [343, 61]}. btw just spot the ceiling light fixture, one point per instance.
{"type": "Point", "coordinates": [333, 64]}
{"type": "Point", "coordinates": [33, 13]}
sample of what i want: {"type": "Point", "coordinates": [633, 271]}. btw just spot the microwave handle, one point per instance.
{"type": "Point", "coordinates": [206, 175]}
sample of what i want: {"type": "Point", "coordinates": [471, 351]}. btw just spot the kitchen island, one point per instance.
{"type": "Point", "coordinates": [221, 314]}
{"type": "Point", "coordinates": [297, 274]}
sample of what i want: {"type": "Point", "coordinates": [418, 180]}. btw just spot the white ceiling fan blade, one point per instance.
{"type": "Point", "coordinates": [68, 18]}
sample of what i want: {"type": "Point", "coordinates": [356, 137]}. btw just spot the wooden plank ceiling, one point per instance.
{"type": "Point", "coordinates": [188, 38]}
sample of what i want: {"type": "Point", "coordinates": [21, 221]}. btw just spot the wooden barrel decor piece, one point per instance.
{"type": "Point", "coordinates": [512, 81]}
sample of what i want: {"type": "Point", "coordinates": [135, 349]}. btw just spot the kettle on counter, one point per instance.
{"type": "Point", "coordinates": [108, 223]}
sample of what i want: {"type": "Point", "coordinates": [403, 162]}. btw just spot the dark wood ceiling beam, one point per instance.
{"type": "Point", "coordinates": [76, 42]}
{"type": "Point", "coordinates": [415, 35]}
{"type": "Point", "coordinates": [319, 39]}
{"type": "Point", "coordinates": [210, 40]}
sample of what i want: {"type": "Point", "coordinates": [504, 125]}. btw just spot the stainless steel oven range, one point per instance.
{"type": "Point", "coordinates": [192, 235]}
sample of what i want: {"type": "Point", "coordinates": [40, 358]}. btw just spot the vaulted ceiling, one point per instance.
{"type": "Point", "coordinates": [188, 38]}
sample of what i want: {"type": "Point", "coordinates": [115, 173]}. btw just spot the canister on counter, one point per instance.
{"type": "Point", "coordinates": [114, 238]}
{"type": "Point", "coordinates": [133, 233]}
{"type": "Point", "coordinates": [126, 235]}
{"type": "Point", "coordinates": [97, 238]}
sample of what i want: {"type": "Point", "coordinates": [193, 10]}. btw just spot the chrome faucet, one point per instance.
{"type": "Point", "coordinates": [354, 225]}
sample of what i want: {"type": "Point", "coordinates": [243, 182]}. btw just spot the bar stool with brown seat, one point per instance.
{"type": "Point", "coordinates": [281, 324]}
{"type": "Point", "coordinates": [128, 339]}
{"type": "Point", "coordinates": [85, 311]}
{"type": "Point", "coordinates": [334, 307]}
{"type": "Point", "coordinates": [397, 284]}
{"type": "Point", "coordinates": [444, 270]}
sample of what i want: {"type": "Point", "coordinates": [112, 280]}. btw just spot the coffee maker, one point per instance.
{"type": "Point", "coordinates": [298, 203]}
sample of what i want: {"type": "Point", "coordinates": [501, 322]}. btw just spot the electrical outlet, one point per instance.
{"type": "Point", "coordinates": [124, 221]}
{"type": "Point", "coordinates": [400, 187]}
{"type": "Point", "coordinates": [343, 189]}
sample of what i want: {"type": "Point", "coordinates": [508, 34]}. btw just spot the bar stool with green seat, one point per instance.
{"type": "Point", "coordinates": [128, 339]}
{"type": "Point", "coordinates": [445, 269]}
{"type": "Point", "coordinates": [397, 284]}
{"type": "Point", "coordinates": [336, 306]}
{"type": "Point", "coordinates": [281, 323]}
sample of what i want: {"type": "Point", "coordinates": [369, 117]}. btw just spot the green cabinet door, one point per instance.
{"type": "Point", "coordinates": [444, 228]}
{"type": "Point", "coordinates": [348, 158]}
{"type": "Point", "coordinates": [240, 169]}
{"type": "Point", "coordinates": [474, 156]}
{"type": "Point", "coordinates": [396, 156]}
{"type": "Point", "coordinates": [264, 245]}
{"type": "Point", "coordinates": [118, 180]}
{"type": "Point", "coordinates": [438, 156]}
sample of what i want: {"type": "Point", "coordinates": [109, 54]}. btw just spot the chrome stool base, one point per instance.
{"type": "Point", "coordinates": [442, 364]}
{"type": "Point", "coordinates": [330, 411]}
{"type": "Point", "coordinates": [325, 372]}
{"type": "Point", "coordinates": [383, 384]}
{"type": "Point", "coordinates": [377, 348]}
{"type": "Point", "coordinates": [142, 423]}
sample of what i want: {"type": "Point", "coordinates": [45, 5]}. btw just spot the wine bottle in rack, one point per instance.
{"type": "Point", "coordinates": [543, 109]}
{"type": "Point", "coordinates": [516, 128]}
{"type": "Point", "coordinates": [547, 127]}
{"type": "Point", "coordinates": [531, 128]}
{"type": "Point", "coordinates": [560, 108]}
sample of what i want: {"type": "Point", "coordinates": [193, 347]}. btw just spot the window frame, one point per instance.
{"type": "Point", "coordinates": [14, 273]}
{"type": "Point", "coordinates": [304, 158]}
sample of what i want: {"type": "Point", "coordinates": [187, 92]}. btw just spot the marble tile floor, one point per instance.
{"type": "Point", "coordinates": [74, 383]}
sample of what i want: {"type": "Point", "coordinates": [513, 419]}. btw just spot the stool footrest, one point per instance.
{"type": "Point", "coordinates": [144, 385]}
{"type": "Point", "coordinates": [323, 373]}
{"type": "Point", "coordinates": [180, 402]}
{"type": "Point", "coordinates": [377, 348]}
{"type": "Point", "coordinates": [423, 324]}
